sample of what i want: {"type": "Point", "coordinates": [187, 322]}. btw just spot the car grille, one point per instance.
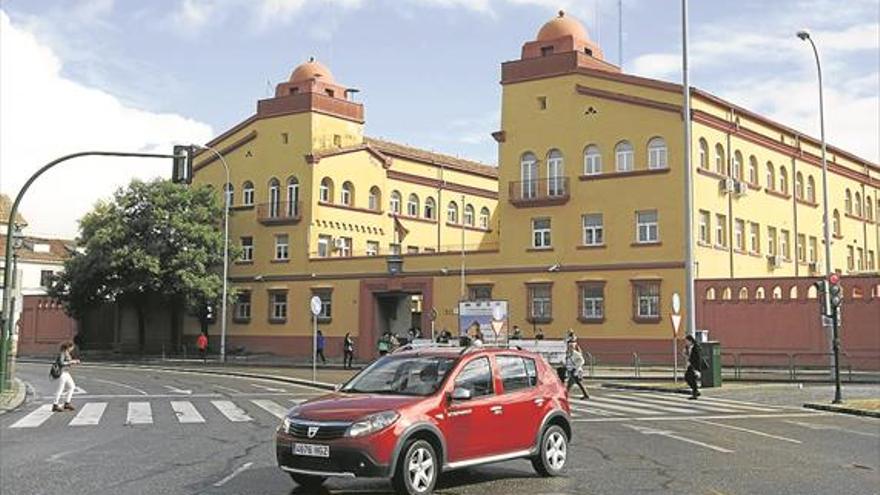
{"type": "Point", "coordinates": [325, 430]}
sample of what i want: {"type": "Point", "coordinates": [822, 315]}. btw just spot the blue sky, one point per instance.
{"type": "Point", "coordinates": [142, 74]}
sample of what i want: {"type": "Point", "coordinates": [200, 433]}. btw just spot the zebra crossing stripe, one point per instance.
{"type": "Point", "coordinates": [35, 418]}
{"type": "Point", "coordinates": [577, 411]}
{"type": "Point", "coordinates": [186, 412]}
{"type": "Point", "coordinates": [139, 413]}
{"type": "Point", "coordinates": [691, 404]}
{"type": "Point", "coordinates": [271, 407]}
{"type": "Point", "coordinates": [231, 411]}
{"type": "Point", "coordinates": [594, 403]}
{"type": "Point", "coordinates": [89, 415]}
{"type": "Point", "coordinates": [650, 407]}
{"type": "Point", "coordinates": [712, 401]}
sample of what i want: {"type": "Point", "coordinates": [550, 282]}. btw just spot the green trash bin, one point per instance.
{"type": "Point", "coordinates": [711, 377]}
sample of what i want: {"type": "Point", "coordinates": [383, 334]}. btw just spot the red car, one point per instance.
{"type": "Point", "coordinates": [413, 414]}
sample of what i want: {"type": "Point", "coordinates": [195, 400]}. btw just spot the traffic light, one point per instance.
{"type": "Point", "coordinates": [183, 170]}
{"type": "Point", "coordinates": [835, 291]}
{"type": "Point", "coordinates": [824, 298]}
{"type": "Point", "coordinates": [210, 315]}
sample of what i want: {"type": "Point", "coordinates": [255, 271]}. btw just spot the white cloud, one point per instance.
{"type": "Point", "coordinates": [45, 115]}
{"type": "Point", "coordinates": [193, 15]}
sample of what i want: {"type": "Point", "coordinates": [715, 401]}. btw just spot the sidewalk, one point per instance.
{"type": "Point", "coordinates": [857, 407]}
{"type": "Point", "coordinates": [682, 388]}
{"type": "Point", "coordinates": [13, 397]}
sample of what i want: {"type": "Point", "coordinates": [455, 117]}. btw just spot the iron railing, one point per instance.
{"type": "Point", "coordinates": [539, 192]}
{"type": "Point", "coordinates": [278, 213]}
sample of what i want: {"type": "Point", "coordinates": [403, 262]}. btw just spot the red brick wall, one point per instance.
{"type": "Point", "coordinates": [43, 326]}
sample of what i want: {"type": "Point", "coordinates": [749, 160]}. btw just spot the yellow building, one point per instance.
{"type": "Point", "coordinates": [580, 226]}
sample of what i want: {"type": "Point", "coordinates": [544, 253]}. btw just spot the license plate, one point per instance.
{"type": "Point", "coordinates": [311, 450]}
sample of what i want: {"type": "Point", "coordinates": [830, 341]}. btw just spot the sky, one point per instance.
{"type": "Point", "coordinates": [135, 75]}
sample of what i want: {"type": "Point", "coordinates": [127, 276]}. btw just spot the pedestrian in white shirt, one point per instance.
{"type": "Point", "coordinates": [66, 384]}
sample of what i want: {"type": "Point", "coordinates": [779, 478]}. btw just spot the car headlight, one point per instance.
{"type": "Point", "coordinates": [285, 425]}
{"type": "Point", "coordinates": [373, 423]}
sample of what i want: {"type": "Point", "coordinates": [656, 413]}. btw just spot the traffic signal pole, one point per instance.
{"type": "Point", "coordinates": [6, 336]}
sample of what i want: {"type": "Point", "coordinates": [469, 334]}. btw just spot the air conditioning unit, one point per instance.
{"type": "Point", "coordinates": [774, 260]}
{"type": "Point", "coordinates": [726, 185]}
{"type": "Point", "coordinates": [740, 188]}
{"type": "Point", "coordinates": [339, 243]}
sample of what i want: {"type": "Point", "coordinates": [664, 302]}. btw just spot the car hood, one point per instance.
{"type": "Point", "coordinates": [341, 406]}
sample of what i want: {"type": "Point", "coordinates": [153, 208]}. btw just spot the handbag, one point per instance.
{"type": "Point", "coordinates": [55, 370]}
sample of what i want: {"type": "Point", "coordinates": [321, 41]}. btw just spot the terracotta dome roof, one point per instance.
{"type": "Point", "coordinates": [312, 70]}
{"type": "Point", "coordinates": [562, 25]}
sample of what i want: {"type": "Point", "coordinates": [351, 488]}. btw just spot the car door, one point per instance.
{"type": "Point", "coordinates": [471, 425]}
{"type": "Point", "coordinates": [522, 406]}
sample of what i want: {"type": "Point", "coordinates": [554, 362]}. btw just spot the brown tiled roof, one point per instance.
{"type": "Point", "coordinates": [431, 157]}
{"type": "Point", "coordinates": [5, 207]}
{"type": "Point", "coordinates": [59, 249]}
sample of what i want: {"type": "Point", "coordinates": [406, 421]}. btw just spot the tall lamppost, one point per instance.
{"type": "Point", "coordinates": [226, 194]}
{"type": "Point", "coordinates": [804, 35]}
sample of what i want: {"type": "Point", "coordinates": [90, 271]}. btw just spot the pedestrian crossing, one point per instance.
{"type": "Point", "coordinates": [648, 404]}
{"type": "Point", "coordinates": [137, 413]}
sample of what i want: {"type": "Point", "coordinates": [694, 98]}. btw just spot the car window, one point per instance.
{"type": "Point", "coordinates": [476, 376]}
{"type": "Point", "coordinates": [401, 375]}
{"type": "Point", "coordinates": [516, 372]}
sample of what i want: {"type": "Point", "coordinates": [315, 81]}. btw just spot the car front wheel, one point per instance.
{"type": "Point", "coordinates": [417, 469]}
{"type": "Point", "coordinates": [307, 481]}
{"type": "Point", "coordinates": [552, 453]}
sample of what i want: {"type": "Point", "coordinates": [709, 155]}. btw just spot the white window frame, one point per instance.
{"type": "Point", "coordinates": [772, 241]}
{"type": "Point", "coordinates": [528, 176]}
{"type": "Point", "coordinates": [468, 216]}
{"type": "Point", "coordinates": [373, 200]}
{"type": "Point", "coordinates": [592, 306]}
{"type": "Point", "coordinates": [247, 250]}
{"type": "Point", "coordinates": [705, 226]}
{"type": "Point", "coordinates": [541, 236]}
{"type": "Point", "coordinates": [647, 303]}
{"type": "Point", "coordinates": [247, 194]}
{"type": "Point", "coordinates": [593, 233]}
{"type": "Point", "coordinates": [647, 231]}
{"type": "Point", "coordinates": [452, 212]}
{"type": "Point", "coordinates": [345, 250]}
{"type": "Point", "coordinates": [720, 230]}
{"type": "Point", "coordinates": [282, 249]}
{"type": "Point", "coordinates": [784, 244]}
{"type": "Point", "coordinates": [754, 237]}
{"type": "Point", "coordinates": [624, 157]}
{"type": "Point", "coordinates": [323, 192]}
{"type": "Point", "coordinates": [324, 248]}
{"type": "Point", "coordinates": [484, 218]}
{"type": "Point", "coordinates": [279, 306]}
{"type": "Point", "coordinates": [372, 248]}
{"type": "Point", "coordinates": [243, 309]}
{"type": "Point", "coordinates": [430, 208]}
{"type": "Point", "coordinates": [555, 174]}
{"type": "Point", "coordinates": [345, 195]}
{"type": "Point", "coordinates": [657, 154]}
{"type": "Point", "coordinates": [592, 160]}
{"type": "Point", "coordinates": [739, 234]}
{"type": "Point", "coordinates": [394, 202]}
{"type": "Point", "coordinates": [541, 308]}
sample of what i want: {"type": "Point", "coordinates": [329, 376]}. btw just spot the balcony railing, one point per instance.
{"type": "Point", "coordinates": [539, 192]}
{"type": "Point", "coordinates": [280, 213]}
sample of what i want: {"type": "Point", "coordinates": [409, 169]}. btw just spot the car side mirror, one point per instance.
{"type": "Point", "coordinates": [460, 393]}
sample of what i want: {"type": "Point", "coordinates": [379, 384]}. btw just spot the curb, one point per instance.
{"type": "Point", "coordinates": [842, 410]}
{"type": "Point", "coordinates": [649, 388]}
{"type": "Point", "coordinates": [17, 399]}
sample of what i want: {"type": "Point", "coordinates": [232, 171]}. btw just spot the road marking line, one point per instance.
{"type": "Point", "coordinates": [186, 412]}
{"type": "Point", "coordinates": [754, 432]}
{"type": "Point", "coordinates": [235, 473]}
{"type": "Point", "coordinates": [79, 391]}
{"type": "Point", "coordinates": [232, 390]}
{"type": "Point", "coordinates": [596, 412]}
{"type": "Point", "coordinates": [298, 401]}
{"type": "Point", "coordinates": [231, 411]}
{"type": "Point", "coordinates": [687, 418]}
{"type": "Point", "coordinates": [614, 407]}
{"type": "Point", "coordinates": [142, 392]}
{"type": "Point", "coordinates": [814, 426]}
{"type": "Point", "coordinates": [691, 404]}
{"type": "Point", "coordinates": [268, 389]}
{"type": "Point", "coordinates": [178, 390]}
{"type": "Point", "coordinates": [90, 414]}
{"type": "Point", "coordinates": [271, 407]}
{"type": "Point", "coordinates": [139, 413]}
{"type": "Point", "coordinates": [674, 436]}
{"type": "Point", "coordinates": [649, 406]}
{"type": "Point", "coordinates": [715, 402]}
{"type": "Point", "coordinates": [35, 418]}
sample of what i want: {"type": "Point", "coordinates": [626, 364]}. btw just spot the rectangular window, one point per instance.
{"type": "Point", "coordinates": [646, 302]}
{"type": "Point", "coordinates": [705, 227]}
{"type": "Point", "coordinates": [594, 231]}
{"type": "Point", "coordinates": [372, 248]}
{"type": "Point", "coordinates": [344, 246]}
{"type": "Point", "coordinates": [850, 262]}
{"type": "Point", "coordinates": [647, 227]}
{"type": "Point", "coordinates": [542, 100]}
{"type": "Point", "coordinates": [326, 296]}
{"type": "Point", "coordinates": [45, 278]}
{"type": "Point", "coordinates": [243, 307]}
{"type": "Point", "coordinates": [394, 248]}
{"type": "Point", "coordinates": [739, 234]}
{"type": "Point", "coordinates": [784, 244]}
{"type": "Point", "coordinates": [754, 237]}
{"type": "Point", "coordinates": [285, 138]}
{"type": "Point", "coordinates": [870, 261]}
{"type": "Point", "coordinates": [541, 233]}
{"type": "Point", "coordinates": [813, 246]}
{"type": "Point", "coordinates": [324, 246]}
{"type": "Point", "coordinates": [515, 373]}
{"type": "Point", "coordinates": [412, 250]}
{"type": "Point", "coordinates": [324, 193]}
{"type": "Point", "coordinates": [860, 259]}
{"type": "Point", "coordinates": [430, 250]}
{"type": "Point", "coordinates": [546, 50]}
{"type": "Point", "coordinates": [337, 139]}
{"type": "Point", "coordinates": [248, 196]}
{"type": "Point", "coordinates": [720, 230]}
{"type": "Point", "coordinates": [278, 306]}
{"type": "Point", "coordinates": [479, 292]}
{"type": "Point", "coordinates": [592, 301]}
{"type": "Point", "coordinates": [771, 241]}
{"type": "Point", "coordinates": [282, 247]}
{"type": "Point", "coordinates": [247, 248]}
{"type": "Point", "coordinates": [540, 302]}
{"type": "Point", "coordinates": [801, 248]}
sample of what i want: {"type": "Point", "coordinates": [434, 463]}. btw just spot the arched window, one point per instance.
{"type": "Point", "coordinates": [835, 222]}
{"type": "Point", "coordinates": [869, 208]}
{"type": "Point", "coordinates": [230, 194]}
{"type": "Point", "coordinates": [347, 194]}
{"type": "Point", "coordinates": [793, 293]}
{"type": "Point", "coordinates": [719, 159]}
{"type": "Point", "coordinates": [657, 153]}
{"type": "Point", "coordinates": [247, 193]}
{"type": "Point", "coordinates": [710, 294]}
{"type": "Point", "coordinates": [753, 170]}
{"type": "Point", "coordinates": [777, 292]}
{"type": "Point", "coordinates": [528, 175]}
{"type": "Point", "coordinates": [375, 199]}
{"type": "Point", "coordinates": [771, 177]}
{"type": "Point", "coordinates": [469, 215]}
{"type": "Point", "coordinates": [812, 292]}
{"type": "Point", "coordinates": [759, 293]}
{"type": "Point", "coordinates": [783, 180]}
{"type": "Point", "coordinates": [736, 168]}
{"type": "Point", "coordinates": [274, 197]}
{"type": "Point", "coordinates": [484, 218]}
{"type": "Point", "coordinates": [592, 160]}
{"type": "Point", "coordinates": [704, 154]}
{"type": "Point", "coordinates": [430, 208]}
{"type": "Point", "coordinates": [555, 174]}
{"type": "Point", "coordinates": [858, 205]}
{"type": "Point", "coordinates": [452, 212]}
{"type": "Point", "coordinates": [292, 197]}
{"type": "Point", "coordinates": [847, 202]}
{"type": "Point", "coordinates": [857, 293]}
{"type": "Point", "coordinates": [726, 294]}
{"type": "Point", "coordinates": [395, 202]}
{"type": "Point", "coordinates": [623, 156]}
{"type": "Point", "coordinates": [743, 294]}
{"type": "Point", "coordinates": [811, 189]}
{"type": "Point", "coordinates": [325, 190]}
{"type": "Point", "coordinates": [412, 205]}
{"type": "Point", "coordinates": [799, 185]}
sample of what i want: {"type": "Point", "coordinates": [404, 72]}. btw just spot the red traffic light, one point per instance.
{"type": "Point", "coordinates": [834, 278]}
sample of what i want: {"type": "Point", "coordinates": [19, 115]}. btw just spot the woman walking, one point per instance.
{"type": "Point", "coordinates": [347, 350]}
{"type": "Point", "coordinates": [66, 385]}
{"type": "Point", "coordinates": [574, 364]}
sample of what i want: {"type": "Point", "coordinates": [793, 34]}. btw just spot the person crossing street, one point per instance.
{"type": "Point", "coordinates": [574, 367]}
{"type": "Point", "coordinates": [66, 385]}
{"type": "Point", "coordinates": [695, 365]}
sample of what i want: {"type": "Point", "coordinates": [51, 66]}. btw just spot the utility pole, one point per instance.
{"type": "Point", "coordinates": [689, 294]}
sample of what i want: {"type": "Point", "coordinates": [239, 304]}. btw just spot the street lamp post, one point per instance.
{"type": "Point", "coordinates": [804, 35]}
{"type": "Point", "coordinates": [225, 249]}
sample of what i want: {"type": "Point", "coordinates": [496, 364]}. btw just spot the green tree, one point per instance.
{"type": "Point", "coordinates": [155, 241]}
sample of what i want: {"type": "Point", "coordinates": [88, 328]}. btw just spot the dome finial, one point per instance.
{"type": "Point", "coordinates": [561, 13]}
{"type": "Point", "coordinates": [311, 59]}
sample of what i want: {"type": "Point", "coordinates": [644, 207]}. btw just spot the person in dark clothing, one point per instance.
{"type": "Point", "coordinates": [347, 350]}
{"type": "Point", "coordinates": [695, 365]}
{"type": "Point", "coordinates": [539, 334]}
{"type": "Point", "coordinates": [319, 352]}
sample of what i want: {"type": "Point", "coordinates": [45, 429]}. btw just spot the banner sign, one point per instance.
{"type": "Point", "coordinates": [485, 316]}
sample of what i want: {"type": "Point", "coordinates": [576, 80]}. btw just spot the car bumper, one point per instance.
{"type": "Point", "coordinates": [344, 461]}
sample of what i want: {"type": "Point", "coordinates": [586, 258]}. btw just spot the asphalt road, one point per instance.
{"type": "Point", "coordinates": [146, 432]}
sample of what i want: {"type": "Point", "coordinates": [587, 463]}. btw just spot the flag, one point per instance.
{"type": "Point", "coordinates": [400, 229]}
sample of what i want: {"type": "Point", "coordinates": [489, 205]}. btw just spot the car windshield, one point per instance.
{"type": "Point", "coordinates": [420, 375]}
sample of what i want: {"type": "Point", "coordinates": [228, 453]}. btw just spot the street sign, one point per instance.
{"type": "Point", "coordinates": [315, 305]}
{"type": "Point", "coordinates": [676, 323]}
{"type": "Point", "coordinates": [433, 314]}
{"type": "Point", "coordinates": [676, 305]}
{"type": "Point", "coordinates": [498, 313]}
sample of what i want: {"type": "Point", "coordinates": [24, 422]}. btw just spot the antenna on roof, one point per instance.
{"type": "Point", "coordinates": [268, 88]}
